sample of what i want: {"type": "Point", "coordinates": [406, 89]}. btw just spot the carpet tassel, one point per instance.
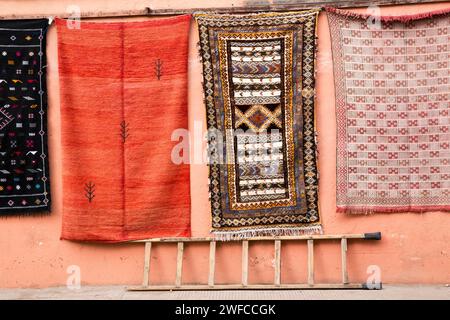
{"type": "Point", "coordinates": [264, 232]}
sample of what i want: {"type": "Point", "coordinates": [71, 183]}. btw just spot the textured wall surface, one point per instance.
{"type": "Point", "coordinates": [414, 249]}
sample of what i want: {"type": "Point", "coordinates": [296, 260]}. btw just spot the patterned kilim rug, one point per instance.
{"type": "Point", "coordinates": [123, 93]}
{"type": "Point", "coordinates": [24, 174]}
{"type": "Point", "coordinates": [259, 84]}
{"type": "Point", "coordinates": [392, 100]}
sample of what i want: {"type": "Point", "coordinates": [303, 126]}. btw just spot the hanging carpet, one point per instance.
{"type": "Point", "coordinates": [123, 94]}
{"type": "Point", "coordinates": [392, 77]}
{"type": "Point", "coordinates": [24, 170]}
{"type": "Point", "coordinates": [259, 86]}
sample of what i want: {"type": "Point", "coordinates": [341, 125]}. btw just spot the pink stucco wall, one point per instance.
{"type": "Point", "coordinates": [415, 247]}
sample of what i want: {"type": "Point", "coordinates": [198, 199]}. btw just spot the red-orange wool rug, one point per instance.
{"type": "Point", "coordinates": [123, 93]}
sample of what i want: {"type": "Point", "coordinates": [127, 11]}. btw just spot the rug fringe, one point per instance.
{"type": "Point", "coordinates": [273, 232]}
{"type": "Point", "coordinates": [24, 213]}
{"type": "Point", "coordinates": [402, 18]}
{"type": "Point", "coordinates": [381, 210]}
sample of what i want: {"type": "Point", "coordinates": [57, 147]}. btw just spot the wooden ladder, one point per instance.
{"type": "Point", "coordinates": [310, 239]}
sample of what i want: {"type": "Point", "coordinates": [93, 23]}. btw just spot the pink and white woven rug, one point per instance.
{"type": "Point", "coordinates": [392, 101]}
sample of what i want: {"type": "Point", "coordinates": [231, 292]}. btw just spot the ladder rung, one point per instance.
{"type": "Point", "coordinates": [310, 262]}
{"type": "Point", "coordinates": [180, 249]}
{"type": "Point", "coordinates": [277, 280]}
{"type": "Point", "coordinates": [244, 262]}
{"type": "Point", "coordinates": [344, 260]}
{"type": "Point", "coordinates": [212, 263]}
{"type": "Point", "coordinates": [147, 261]}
